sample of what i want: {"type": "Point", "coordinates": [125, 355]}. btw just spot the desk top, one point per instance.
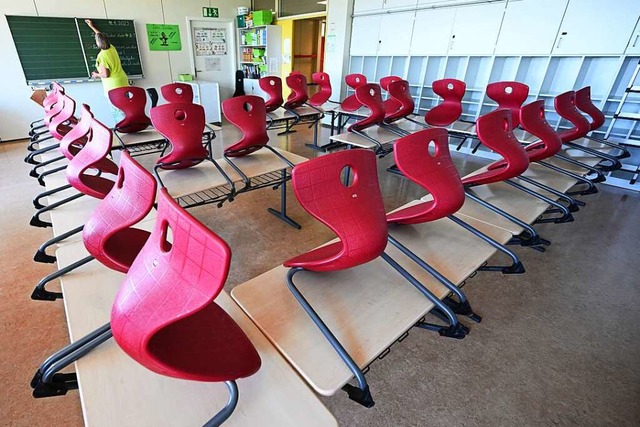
{"type": "Point", "coordinates": [282, 114]}
{"type": "Point", "coordinates": [115, 390]}
{"type": "Point", "coordinates": [205, 175]}
{"type": "Point", "coordinates": [367, 307]}
{"type": "Point", "coordinates": [378, 133]}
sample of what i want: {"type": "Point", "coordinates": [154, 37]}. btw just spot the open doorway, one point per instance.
{"type": "Point", "coordinates": [308, 47]}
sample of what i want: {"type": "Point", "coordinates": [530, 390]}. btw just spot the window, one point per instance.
{"type": "Point", "coordinates": [300, 7]}
{"type": "Point", "coordinates": [263, 5]}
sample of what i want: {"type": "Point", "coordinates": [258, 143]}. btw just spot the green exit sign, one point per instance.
{"type": "Point", "coordinates": [210, 12]}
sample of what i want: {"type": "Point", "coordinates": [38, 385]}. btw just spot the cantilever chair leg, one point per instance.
{"type": "Point", "coordinates": [615, 162]}
{"type": "Point", "coordinates": [228, 409]}
{"type": "Point", "coordinates": [360, 394]}
{"type": "Point", "coordinates": [47, 382]}
{"type": "Point", "coordinates": [566, 214]}
{"type": "Point", "coordinates": [41, 294]}
{"type": "Point", "coordinates": [41, 254]}
{"type": "Point", "coordinates": [515, 268]}
{"type": "Point", "coordinates": [462, 306]}
{"type": "Point", "coordinates": [36, 200]}
{"type": "Point", "coordinates": [624, 152]}
{"type": "Point", "coordinates": [591, 186]}
{"type": "Point", "coordinates": [599, 174]}
{"type": "Point", "coordinates": [35, 219]}
{"type": "Point", "coordinates": [45, 174]}
{"type": "Point", "coordinates": [455, 329]}
{"type": "Point", "coordinates": [573, 204]}
{"type": "Point", "coordinates": [34, 171]}
{"type": "Point", "coordinates": [30, 157]}
{"type": "Point", "coordinates": [530, 237]}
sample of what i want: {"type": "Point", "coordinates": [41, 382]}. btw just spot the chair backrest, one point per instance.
{"type": "Point", "coordinates": [108, 234]}
{"type": "Point", "coordinates": [449, 110]}
{"type": "Point", "coordinates": [390, 104]}
{"type": "Point", "coordinates": [370, 96]}
{"type": "Point", "coordinates": [586, 105]}
{"type": "Point", "coordinates": [495, 131]}
{"type": "Point", "coordinates": [355, 213]}
{"type": "Point", "coordinates": [324, 83]}
{"type": "Point", "coordinates": [131, 100]}
{"type": "Point", "coordinates": [532, 119]}
{"type": "Point", "coordinates": [71, 143]}
{"type": "Point", "coordinates": [60, 114]}
{"type": "Point", "coordinates": [93, 156]}
{"type": "Point", "coordinates": [509, 95]}
{"type": "Point", "coordinates": [177, 92]}
{"type": "Point", "coordinates": [153, 96]}
{"type": "Point", "coordinates": [384, 82]}
{"type": "Point", "coordinates": [166, 303]}
{"type": "Point", "coordinates": [182, 124]}
{"type": "Point", "coordinates": [354, 81]}
{"type": "Point", "coordinates": [400, 92]}
{"type": "Point", "coordinates": [52, 96]}
{"type": "Point", "coordinates": [248, 114]}
{"type": "Point", "coordinates": [565, 105]}
{"type": "Point", "coordinates": [272, 86]}
{"type": "Point", "coordinates": [299, 95]}
{"type": "Point", "coordinates": [435, 172]}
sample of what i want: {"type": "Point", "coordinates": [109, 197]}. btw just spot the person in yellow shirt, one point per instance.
{"type": "Point", "coordinates": [108, 68]}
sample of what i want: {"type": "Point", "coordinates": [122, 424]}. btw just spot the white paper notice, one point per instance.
{"type": "Point", "coordinates": [212, 64]}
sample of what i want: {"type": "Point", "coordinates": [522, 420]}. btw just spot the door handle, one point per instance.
{"type": "Point", "coordinates": [564, 33]}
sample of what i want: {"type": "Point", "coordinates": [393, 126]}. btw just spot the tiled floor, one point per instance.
{"type": "Point", "coordinates": [557, 345]}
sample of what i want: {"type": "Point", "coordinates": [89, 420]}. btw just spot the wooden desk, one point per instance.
{"type": "Point", "coordinates": [117, 391]}
{"type": "Point", "coordinates": [368, 307]}
{"type": "Point", "coordinates": [378, 133]}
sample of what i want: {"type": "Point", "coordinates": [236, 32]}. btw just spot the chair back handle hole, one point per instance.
{"type": "Point", "coordinates": [352, 176]}
{"type": "Point", "coordinates": [432, 148]}
{"type": "Point", "coordinates": [166, 237]}
{"type": "Point", "coordinates": [508, 90]}
{"type": "Point", "coordinates": [180, 115]}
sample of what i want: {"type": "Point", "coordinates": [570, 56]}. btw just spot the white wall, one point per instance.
{"type": "Point", "coordinates": [336, 58]}
{"type": "Point", "coordinates": [17, 110]}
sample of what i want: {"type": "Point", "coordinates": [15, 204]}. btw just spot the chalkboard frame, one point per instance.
{"type": "Point", "coordinates": [79, 22]}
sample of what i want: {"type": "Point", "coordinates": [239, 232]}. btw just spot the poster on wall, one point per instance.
{"type": "Point", "coordinates": [210, 41]}
{"type": "Point", "coordinates": [164, 37]}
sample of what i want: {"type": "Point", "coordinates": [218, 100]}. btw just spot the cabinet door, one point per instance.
{"type": "Point", "coordinates": [596, 27]}
{"type": "Point", "coordinates": [364, 35]}
{"type": "Point", "coordinates": [367, 5]}
{"type": "Point", "coordinates": [475, 29]}
{"type": "Point", "coordinates": [520, 36]}
{"type": "Point", "coordinates": [395, 33]}
{"type": "Point", "coordinates": [432, 32]}
{"type": "Point", "coordinates": [633, 48]}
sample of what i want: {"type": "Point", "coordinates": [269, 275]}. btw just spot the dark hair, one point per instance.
{"type": "Point", "coordinates": [102, 41]}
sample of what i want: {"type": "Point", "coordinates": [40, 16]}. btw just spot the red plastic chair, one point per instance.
{"type": "Point", "coordinates": [182, 125]}
{"type": "Point", "coordinates": [272, 86]}
{"type": "Point", "coordinates": [390, 104]}
{"type": "Point", "coordinates": [61, 120]}
{"type": "Point", "coordinates": [435, 172]}
{"type": "Point", "coordinates": [355, 213]}
{"type": "Point", "coordinates": [164, 315]}
{"type": "Point", "coordinates": [369, 95]}
{"type": "Point", "coordinates": [323, 95]}
{"type": "Point", "coordinates": [131, 100]}
{"type": "Point", "coordinates": [400, 92]}
{"type": "Point", "coordinates": [248, 113]}
{"type": "Point", "coordinates": [299, 95]}
{"type": "Point", "coordinates": [73, 141]}
{"type": "Point", "coordinates": [109, 235]}
{"type": "Point", "coordinates": [354, 81]}
{"type": "Point", "coordinates": [93, 156]}
{"type": "Point", "coordinates": [451, 91]}
{"type": "Point", "coordinates": [565, 105]}
{"type": "Point", "coordinates": [177, 92]}
{"type": "Point", "coordinates": [509, 95]}
{"type": "Point", "coordinates": [495, 131]}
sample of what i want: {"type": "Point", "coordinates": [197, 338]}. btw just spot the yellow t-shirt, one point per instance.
{"type": "Point", "coordinates": [111, 61]}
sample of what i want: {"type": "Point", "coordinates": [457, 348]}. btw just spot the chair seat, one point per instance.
{"type": "Point", "coordinates": [205, 346]}
{"type": "Point", "coordinates": [96, 186]}
{"type": "Point", "coordinates": [415, 214]}
{"type": "Point", "coordinates": [488, 175]}
{"type": "Point", "coordinates": [320, 259]}
{"type": "Point", "coordinates": [123, 247]}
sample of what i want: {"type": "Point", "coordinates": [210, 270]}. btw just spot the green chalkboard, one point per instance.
{"type": "Point", "coordinates": [48, 48]}
{"type": "Point", "coordinates": [64, 48]}
{"type": "Point", "coordinates": [122, 35]}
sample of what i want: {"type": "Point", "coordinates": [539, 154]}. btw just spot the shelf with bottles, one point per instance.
{"type": "Point", "coordinates": [254, 36]}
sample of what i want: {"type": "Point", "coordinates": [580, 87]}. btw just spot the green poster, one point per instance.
{"type": "Point", "coordinates": [164, 37]}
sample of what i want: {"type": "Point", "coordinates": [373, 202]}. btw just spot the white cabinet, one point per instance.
{"type": "Point", "coordinates": [633, 48]}
{"type": "Point", "coordinates": [391, 4]}
{"type": "Point", "coordinates": [432, 32]}
{"type": "Point", "coordinates": [476, 28]}
{"type": "Point", "coordinates": [364, 35]}
{"type": "Point", "coordinates": [207, 94]}
{"type": "Point", "coordinates": [530, 27]}
{"type": "Point", "coordinates": [596, 27]}
{"type": "Point", "coordinates": [367, 5]}
{"type": "Point", "coordinates": [395, 33]}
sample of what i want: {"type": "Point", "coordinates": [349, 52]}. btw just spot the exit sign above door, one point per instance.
{"type": "Point", "coordinates": [210, 12]}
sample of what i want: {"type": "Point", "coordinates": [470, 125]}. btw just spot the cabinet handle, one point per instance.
{"type": "Point", "coordinates": [453, 39]}
{"type": "Point", "coordinates": [636, 40]}
{"type": "Point", "coordinates": [564, 33]}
